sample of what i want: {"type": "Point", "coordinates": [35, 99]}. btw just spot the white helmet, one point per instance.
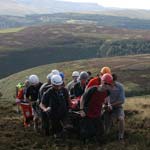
{"type": "Point", "coordinates": [55, 72]}
{"type": "Point", "coordinates": [33, 79]}
{"type": "Point", "coordinates": [49, 76]}
{"type": "Point", "coordinates": [56, 80]}
{"type": "Point", "coordinates": [75, 74]}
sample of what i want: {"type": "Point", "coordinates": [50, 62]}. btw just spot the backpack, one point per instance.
{"type": "Point", "coordinates": [87, 97]}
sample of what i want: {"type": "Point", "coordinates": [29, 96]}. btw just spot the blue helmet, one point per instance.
{"type": "Point", "coordinates": [62, 75]}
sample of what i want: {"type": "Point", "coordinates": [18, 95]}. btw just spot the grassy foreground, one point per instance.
{"type": "Point", "coordinates": [137, 134]}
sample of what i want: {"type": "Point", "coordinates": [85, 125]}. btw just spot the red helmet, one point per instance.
{"type": "Point", "coordinates": [107, 78]}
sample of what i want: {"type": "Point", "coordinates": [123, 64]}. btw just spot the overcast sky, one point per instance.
{"type": "Point", "coordinates": [140, 4]}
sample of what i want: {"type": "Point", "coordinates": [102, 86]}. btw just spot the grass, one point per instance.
{"type": "Point", "coordinates": [137, 133]}
{"type": "Point", "coordinates": [11, 30]}
{"type": "Point", "coordinates": [134, 78]}
{"type": "Point", "coordinates": [19, 138]}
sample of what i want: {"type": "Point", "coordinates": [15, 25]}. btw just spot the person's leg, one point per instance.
{"type": "Point", "coordinates": [56, 127]}
{"type": "Point", "coordinates": [121, 125]}
{"type": "Point", "coordinates": [45, 123]}
{"type": "Point", "coordinates": [118, 113]}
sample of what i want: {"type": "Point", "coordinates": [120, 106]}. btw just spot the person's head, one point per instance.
{"type": "Point", "coordinates": [107, 80]}
{"type": "Point", "coordinates": [49, 78]}
{"type": "Point", "coordinates": [55, 72]}
{"type": "Point", "coordinates": [105, 70]}
{"type": "Point", "coordinates": [26, 83]}
{"type": "Point", "coordinates": [56, 81]}
{"type": "Point", "coordinates": [83, 77]}
{"type": "Point", "coordinates": [20, 85]}
{"type": "Point", "coordinates": [114, 77]}
{"type": "Point", "coordinates": [89, 73]}
{"type": "Point", "coordinates": [75, 75]}
{"type": "Point", "coordinates": [33, 80]}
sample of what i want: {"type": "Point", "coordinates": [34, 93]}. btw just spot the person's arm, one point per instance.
{"type": "Point", "coordinates": [82, 113]}
{"type": "Point", "coordinates": [45, 102]}
{"type": "Point", "coordinates": [107, 103]}
{"type": "Point", "coordinates": [89, 91]}
{"type": "Point", "coordinates": [42, 106]}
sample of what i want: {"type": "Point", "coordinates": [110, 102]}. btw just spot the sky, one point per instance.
{"type": "Point", "coordinates": [134, 4]}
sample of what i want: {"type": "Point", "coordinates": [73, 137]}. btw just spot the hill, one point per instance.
{"type": "Point", "coordinates": [26, 7]}
{"type": "Point", "coordinates": [130, 13]}
{"type": "Point", "coordinates": [44, 44]}
{"type": "Point", "coordinates": [133, 72]}
{"type": "Point", "coordinates": [102, 18]}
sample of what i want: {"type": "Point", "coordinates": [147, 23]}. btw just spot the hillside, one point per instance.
{"type": "Point", "coordinates": [26, 7]}
{"type": "Point", "coordinates": [73, 41]}
{"type": "Point", "coordinates": [130, 13]}
{"type": "Point", "coordinates": [128, 20]}
{"type": "Point", "coordinates": [133, 72]}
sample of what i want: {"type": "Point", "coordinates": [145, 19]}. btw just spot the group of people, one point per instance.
{"type": "Point", "coordinates": [54, 100]}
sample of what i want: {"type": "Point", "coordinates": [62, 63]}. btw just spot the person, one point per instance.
{"type": "Point", "coordinates": [117, 99]}
{"type": "Point", "coordinates": [70, 85]}
{"type": "Point", "coordinates": [27, 84]}
{"type": "Point", "coordinates": [91, 106]}
{"type": "Point", "coordinates": [63, 78]}
{"type": "Point", "coordinates": [55, 105]}
{"type": "Point", "coordinates": [97, 80]}
{"type": "Point", "coordinates": [45, 86]}
{"type": "Point", "coordinates": [55, 71]}
{"type": "Point", "coordinates": [89, 76]}
{"type": "Point", "coordinates": [44, 118]}
{"type": "Point", "coordinates": [19, 94]}
{"type": "Point", "coordinates": [32, 96]}
{"type": "Point", "coordinates": [79, 87]}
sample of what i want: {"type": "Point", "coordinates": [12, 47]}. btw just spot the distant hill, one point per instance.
{"type": "Point", "coordinates": [78, 18]}
{"type": "Point", "coordinates": [26, 7]}
{"type": "Point", "coordinates": [45, 44]}
{"type": "Point", "coordinates": [130, 13]}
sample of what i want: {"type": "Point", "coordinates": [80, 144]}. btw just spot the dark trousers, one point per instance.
{"type": "Point", "coordinates": [45, 123]}
{"type": "Point", "coordinates": [90, 127]}
{"type": "Point", "coordinates": [57, 126]}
